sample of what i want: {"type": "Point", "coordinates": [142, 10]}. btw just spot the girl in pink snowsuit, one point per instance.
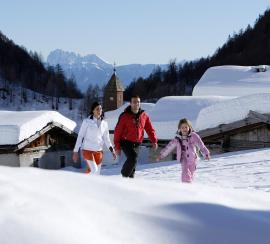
{"type": "Point", "coordinates": [186, 143]}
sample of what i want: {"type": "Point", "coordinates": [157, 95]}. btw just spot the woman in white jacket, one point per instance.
{"type": "Point", "coordinates": [94, 132]}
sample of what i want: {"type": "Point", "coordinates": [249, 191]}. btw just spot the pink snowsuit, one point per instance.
{"type": "Point", "coordinates": [186, 153]}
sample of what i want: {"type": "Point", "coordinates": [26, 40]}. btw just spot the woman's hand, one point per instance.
{"type": "Point", "coordinates": [114, 155]}
{"type": "Point", "coordinates": [75, 157]}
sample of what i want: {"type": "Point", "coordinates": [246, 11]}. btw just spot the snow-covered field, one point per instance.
{"type": "Point", "coordinates": [237, 170]}
{"type": "Point", "coordinates": [231, 80]}
{"type": "Point", "coordinates": [41, 206]}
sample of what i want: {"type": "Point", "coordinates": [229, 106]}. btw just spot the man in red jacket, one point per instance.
{"type": "Point", "coordinates": [129, 134]}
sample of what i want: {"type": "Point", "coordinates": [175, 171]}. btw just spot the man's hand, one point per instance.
{"type": "Point", "coordinates": [75, 157]}
{"type": "Point", "coordinates": [118, 153]}
{"type": "Point", "coordinates": [155, 146]}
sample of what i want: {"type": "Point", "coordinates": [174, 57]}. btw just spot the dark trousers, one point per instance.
{"type": "Point", "coordinates": [131, 150]}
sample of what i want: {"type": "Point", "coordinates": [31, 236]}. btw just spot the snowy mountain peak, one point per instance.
{"type": "Point", "coordinates": [91, 69]}
{"type": "Point", "coordinates": [93, 58]}
{"type": "Point", "coordinates": [63, 58]}
{"type": "Point", "coordinates": [59, 56]}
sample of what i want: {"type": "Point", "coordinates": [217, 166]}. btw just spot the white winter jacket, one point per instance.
{"type": "Point", "coordinates": [91, 137]}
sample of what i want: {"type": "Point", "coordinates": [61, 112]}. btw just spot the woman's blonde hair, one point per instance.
{"type": "Point", "coordinates": [185, 121]}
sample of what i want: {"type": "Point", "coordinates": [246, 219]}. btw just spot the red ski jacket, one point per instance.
{"type": "Point", "coordinates": [131, 127]}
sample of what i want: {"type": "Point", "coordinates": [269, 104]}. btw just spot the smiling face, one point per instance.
{"type": "Point", "coordinates": [97, 112]}
{"type": "Point", "coordinates": [135, 104]}
{"type": "Point", "coordinates": [184, 128]}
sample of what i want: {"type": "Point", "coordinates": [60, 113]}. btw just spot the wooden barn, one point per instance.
{"type": "Point", "coordinates": [249, 133]}
{"type": "Point", "coordinates": [50, 147]}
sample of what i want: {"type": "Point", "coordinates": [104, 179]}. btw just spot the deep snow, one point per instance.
{"type": "Point", "coordinates": [41, 206]}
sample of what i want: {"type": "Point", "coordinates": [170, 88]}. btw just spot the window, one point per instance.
{"type": "Point", "coordinates": [35, 162]}
{"type": "Point", "coordinates": [62, 161]}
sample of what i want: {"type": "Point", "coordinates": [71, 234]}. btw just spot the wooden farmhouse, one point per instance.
{"type": "Point", "coordinates": [49, 147]}
{"type": "Point", "coordinates": [249, 133]}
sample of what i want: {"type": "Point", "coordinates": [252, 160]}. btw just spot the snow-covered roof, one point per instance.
{"type": "Point", "coordinates": [169, 110]}
{"type": "Point", "coordinates": [18, 126]}
{"type": "Point", "coordinates": [231, 80]}
{"type": "Point", "coordinates": [176, 107]}
{"type": "Point", "coordinates": [232, 110]}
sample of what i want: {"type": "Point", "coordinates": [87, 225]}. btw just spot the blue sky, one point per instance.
{"type": "Point", "coordinates": [141, 31]}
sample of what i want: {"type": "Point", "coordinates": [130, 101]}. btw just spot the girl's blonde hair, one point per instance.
{"type": "Point", "coordinates": [185, 121]}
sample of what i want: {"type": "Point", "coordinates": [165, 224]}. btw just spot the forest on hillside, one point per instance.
{"type": "Point", "coordinates": [248, 47]}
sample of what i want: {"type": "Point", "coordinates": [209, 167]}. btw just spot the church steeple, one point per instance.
{"type": "Point", "coordinates": [113, 92]}
{"type": "Point", "coordinates": [114, 70]}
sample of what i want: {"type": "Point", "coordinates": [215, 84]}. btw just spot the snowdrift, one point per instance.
{"type": "Point", "coordinates": [39, 206]}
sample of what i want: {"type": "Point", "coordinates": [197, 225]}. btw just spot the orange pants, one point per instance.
{"type": "Point", "coordinates": [93, 156]}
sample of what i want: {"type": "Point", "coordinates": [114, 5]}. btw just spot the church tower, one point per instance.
{"type": "Point", "coordinates": [113, 93]}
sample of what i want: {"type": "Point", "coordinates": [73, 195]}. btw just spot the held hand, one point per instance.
{"type": "Point", "coordinates": [158, 159]}
{"type": "Point", "coordinates": [114, 155]}
{"type": "Point", "coordinates": [155, 146]}
{"type": "Point", "coordinates": [75, 157]}
{"type": "Point", "coordinates": [207, 157]}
